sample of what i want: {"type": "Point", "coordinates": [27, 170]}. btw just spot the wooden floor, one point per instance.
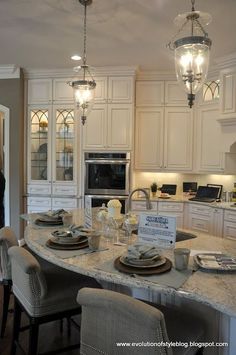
{"type": "Point", "coordinates": [50, 337]}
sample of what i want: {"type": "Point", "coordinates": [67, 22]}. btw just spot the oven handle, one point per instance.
{"type": "Point", "coordinates": [103, 161]}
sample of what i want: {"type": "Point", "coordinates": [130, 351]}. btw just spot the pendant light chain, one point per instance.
{"type": "Point", "coordinates": [193, 3]}
{"type": "Point", "coordinates": [85, 33]}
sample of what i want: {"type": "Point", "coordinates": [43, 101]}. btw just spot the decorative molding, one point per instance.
{"type": "Point", "coordinates": [10, 71]}
{"type": "Point", "coordinates": [65, 73]}
{"type": "Point", "coordinates": [227, 121]}
{"type": "Point", "coordinates": [155, 75]}
{"type": "Point", "coordinates": [226, 61]}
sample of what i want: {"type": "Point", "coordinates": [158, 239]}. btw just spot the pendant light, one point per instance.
{"type": "Point", "coordinates": [192, 52]}
{"type": "Point", "coordinates": [84, 86]}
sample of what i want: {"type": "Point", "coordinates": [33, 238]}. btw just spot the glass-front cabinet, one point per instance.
{"type": "Point", "coordinates": [52, 150]}
{"type": "Point", "coordinates": [64, 144]}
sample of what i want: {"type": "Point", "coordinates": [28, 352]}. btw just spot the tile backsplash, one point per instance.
{"type": "Point", "coordinates": [145, 179]}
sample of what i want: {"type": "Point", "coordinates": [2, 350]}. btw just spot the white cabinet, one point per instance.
{"type": "Point", "coordinates": [178, 143]}
{"type": "Point", "coordinates": [149, 133]}
{"type": "Point", "coordinates": [150, 93]}
{"type": "Point", "coordinates": [228, 93]}
{"type": "Point", "coordinates": [174, 94]}
{"type": "Point", "coordinates": [210, 158]}
{"type": "Point", "coordinates": [141, 206]}
{"type": "Point", "coordinates": [164, 139]}
{"type": "Point", "coordinates": [120, 89]}
{"type": "Point", "coordinates": [109, 126]}
{"type": "Point", "coordinates": [110, 123]}
{"type": "Point", "coordinates": [173, 209]}
{"type": "Point", "coordinates": [62, 91]}
{"type": "Point", "coordinates": [52, 153]}
{"type": "Point", "coordinates": [229, 230]}
{"type": "Point", "coordinates": [199, 218]}
{"type": "Point", "coordinates": [39, 91]}
{"type": "Point", "coordinates": [207, 219]}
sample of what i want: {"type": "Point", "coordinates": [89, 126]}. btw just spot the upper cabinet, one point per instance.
{"type": "Point", "coordinates": [159, 93]}
{"type": "Point", "coordinates": [150, 93]}
{"type": "Point", "coordinates": [164, 139]}
{"type": "Point", "coordinates": [110, 123]}
{"type": "Point", "coordinates": [228, 93]}
{"type": "Point", "coordinates": [52, 144]}
{"type": "Point", "coordinates": [164, 127]}
{"type": "Point", "coordinates": [210, 157]}
{"type": "Point", "coordinates": [39, 91]}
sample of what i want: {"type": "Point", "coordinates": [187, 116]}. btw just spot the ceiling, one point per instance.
{"type": "Point", "coordinates": [45, 33]}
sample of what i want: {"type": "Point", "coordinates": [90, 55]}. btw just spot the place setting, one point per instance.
{"type": "Point", "coordinates": [143, 260]}
{"type": "Point", "coordinates": [50, 218]}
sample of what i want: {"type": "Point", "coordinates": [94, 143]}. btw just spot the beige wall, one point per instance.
{"type": "Point", "coordinates": [145, 179]}
{"type": "Point", "coordinates": [12, 96]}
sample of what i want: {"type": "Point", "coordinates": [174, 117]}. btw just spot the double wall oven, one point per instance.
{"type": "Point", "coordinates": [107, 176]}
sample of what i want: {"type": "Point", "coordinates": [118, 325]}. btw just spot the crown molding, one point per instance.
{"type": "Point", "coordinates": [30, 73]}
{"type": "Point", "coordinates": [155, 75]}
{"type": "Point", "coordinates": [226, 61]}
{"type": "Point", "coordinates": [10, 71]}
{"type": "Point", "coordinates": [227, 121]}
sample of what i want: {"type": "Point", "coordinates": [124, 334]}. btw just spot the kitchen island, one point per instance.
{"type": "Point", "coordinates": [210, 294]}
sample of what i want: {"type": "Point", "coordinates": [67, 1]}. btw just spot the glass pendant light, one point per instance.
{"type": "Point", "coordinates": [84, 86]}
{"type": "Point", "coordinates": [192, 52]}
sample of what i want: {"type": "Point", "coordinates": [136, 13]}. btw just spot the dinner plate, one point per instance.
{"type": "Point", "coordinates": [69, 241]}
{"type": "Point", "coordinates": [53, 245]}
{"type": "Point", "coordinates": [156, 263]}
{"type": "Point", "coordinates": [48, 223]}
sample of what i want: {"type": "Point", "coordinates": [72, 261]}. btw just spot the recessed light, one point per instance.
{"type": "Point", "coordinates": [75, 57]}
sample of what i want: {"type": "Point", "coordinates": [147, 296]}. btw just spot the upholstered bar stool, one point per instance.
{"type": "Point", "coordinates": [44, 295]}
{"type": "Point", "coordinates": [109, 318]}
{"type": "Point", "coordinates": [7, 240]}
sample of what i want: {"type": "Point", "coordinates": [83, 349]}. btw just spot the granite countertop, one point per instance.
{"type": "Point", "coordinates": [214, 289]}
{"type": "Point", "coordinates": [179, 198]}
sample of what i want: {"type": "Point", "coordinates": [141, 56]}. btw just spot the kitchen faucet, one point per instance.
{"type": "Point", "coordinates": [148, 202]}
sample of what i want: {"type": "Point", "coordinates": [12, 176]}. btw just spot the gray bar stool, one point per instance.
{"type": "Point", "coordinates": [44, 295]}
{"type": "Point", "coordinates": [109, 318]}
{"type": "Point", "coordinates": [7, 240]}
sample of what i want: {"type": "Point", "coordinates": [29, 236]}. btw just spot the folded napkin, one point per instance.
{"type": "Point", "coordinates": [54, 214]}
{"type": "Point", "coordinates": [140, 251]}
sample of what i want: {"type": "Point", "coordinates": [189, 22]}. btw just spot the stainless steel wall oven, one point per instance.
{"type": "Point", "coordinates": [107, 173]}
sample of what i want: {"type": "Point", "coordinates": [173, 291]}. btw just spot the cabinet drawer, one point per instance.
{"type": "Point", "coordinates": [170, 206]}
{"type": "Point", "coordinates": [141, 206]}
{"type": "Point", "coordinates": [64, 190]}
{"type": "Point", "coordinates": [200, 224]}
{"type": "Point", "coordinates": [200, 209]}
{"type": "Point", "coordinates": [230, 230]}
{"type": "Point", "coordinates": [39, 201]}
{"type": "Point", "coordinates": [230, 215]}
{"type": "Point", "coordinates": [64, 203]}
{"type": "Point", "coordinates": [39, 189]}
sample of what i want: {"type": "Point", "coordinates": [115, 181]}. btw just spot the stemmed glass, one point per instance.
{"type": "Point", "coordinates": [130, 225]}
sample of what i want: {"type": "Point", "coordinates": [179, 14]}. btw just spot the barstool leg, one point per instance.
{"type": "Point", "coordinates": [33, 337]}
{"type": "Point", "coordinates": [5, 306]}
{"type": "Point", "coordinates": [16, 326]}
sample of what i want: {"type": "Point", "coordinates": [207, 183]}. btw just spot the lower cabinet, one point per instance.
{"type": "Point", "coordinates": [138, 207]}
{"type": "Point", "coordinates": [41, 199]}
{"type": "Point", "coordinates": [205, 219]}
{"type": "Point", "coordinates": [173, 209]}
{"type": "Point", "coordinates": [229, 230]}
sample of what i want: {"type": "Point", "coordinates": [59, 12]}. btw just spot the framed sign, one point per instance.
{"type": "Point", "coordinates": [157, 230]}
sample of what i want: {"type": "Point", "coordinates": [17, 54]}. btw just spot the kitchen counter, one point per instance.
{"type": "Point", "coordinates": [176, 198]}
{"type": "Point", "coordinates": [212, 289]}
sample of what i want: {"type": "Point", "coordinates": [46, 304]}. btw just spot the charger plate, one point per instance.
{"type": "Point", "coordinates": [48, 223]}
{"type": "Point", "coordinates": [143, 271]}
{"type": "Point", "coordinates": [69, 240]}
{"type": "Point", "coordinates": [52, 245]}
{"type": "Point", "coordinates": [160, 261]}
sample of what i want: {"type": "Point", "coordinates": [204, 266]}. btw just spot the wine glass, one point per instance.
{"type": "Point", "coordinates": [130, 224]}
